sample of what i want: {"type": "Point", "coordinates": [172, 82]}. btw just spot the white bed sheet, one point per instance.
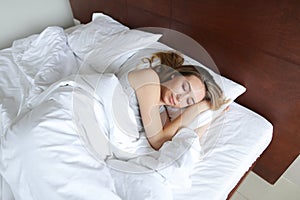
{"type": "Point", "coordinates": [235, 149]}
{"type": "Point", "coordinates": [230, 146]}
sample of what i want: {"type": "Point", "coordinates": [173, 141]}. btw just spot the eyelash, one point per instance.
{"type": "Point", "coordinates": [185, 87]}
{"type": "Point", "coordinates": [190, 101]}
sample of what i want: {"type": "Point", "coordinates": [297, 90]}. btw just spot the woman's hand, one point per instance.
{"type": "Point", "coordinates": [193, 111]}
{"type": "Point", "coordinates": [200, 107]}
{"type": "Point", "coordinates": [200, 130]}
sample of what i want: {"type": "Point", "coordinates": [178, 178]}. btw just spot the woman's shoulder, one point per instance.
{"type": "Point", "coordinates": [138, 78]}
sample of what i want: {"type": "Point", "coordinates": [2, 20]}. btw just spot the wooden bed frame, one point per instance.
{"type": "Point", "coordinates": [255, 43]}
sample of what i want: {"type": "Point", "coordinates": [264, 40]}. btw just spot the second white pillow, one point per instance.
{"type": "Point", "coordinates": [118, 46]}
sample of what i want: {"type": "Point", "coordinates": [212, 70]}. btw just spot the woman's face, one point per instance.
{"type": "Point", "coordinates": [182, 91]}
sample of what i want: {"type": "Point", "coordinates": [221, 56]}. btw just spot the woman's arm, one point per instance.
{"type": "Point", "coordinates": [147, 87]}
{"type": "Point", "coordinates": [201, 130]}
{"type": "Point", "coordinates": [184, 119]}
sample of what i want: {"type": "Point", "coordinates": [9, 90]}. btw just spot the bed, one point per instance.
{"type": "Point", "coordinates": [66, 126]}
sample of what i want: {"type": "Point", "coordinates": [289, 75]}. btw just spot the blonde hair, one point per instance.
{"type": "Point", "coordinates": [172, 64]}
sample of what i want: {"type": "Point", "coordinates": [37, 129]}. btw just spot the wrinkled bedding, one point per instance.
{"type": "Point", "coordinates": [50, 161]}
{"type": "Point", "coordinates": [67, 131]}
{"type": "Point", "coordinates": [47, 135]}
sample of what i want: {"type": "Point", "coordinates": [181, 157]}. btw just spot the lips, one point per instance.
{"type": "Point", "coordinates": [172, 100]}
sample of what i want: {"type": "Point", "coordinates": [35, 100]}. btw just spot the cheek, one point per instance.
{"type": "Point", "coordinates": [183, 104]}
{"type": "Point", "coordinates": [200, 97]}
{"type": "Point", "coordinates": [164, 94]}
{"type": "Point", "coordinates": [168, 93]}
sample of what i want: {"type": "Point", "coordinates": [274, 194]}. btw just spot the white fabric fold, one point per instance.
{"type": "Point", "coordinates": [177, 156]}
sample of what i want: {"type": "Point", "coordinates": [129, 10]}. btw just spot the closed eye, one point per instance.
{"type": "Point", "coordinates": [186, 86]}
{"type": "Point", "coordinates": [190, 101]}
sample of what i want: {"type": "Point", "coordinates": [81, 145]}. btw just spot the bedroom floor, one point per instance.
{"type": "Point", "coordinates": [286, 188]}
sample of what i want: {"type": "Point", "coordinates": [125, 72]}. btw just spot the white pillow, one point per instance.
{"type": "Point", "coordinates": [86, 37]}
{"type": "Point", "coordinates": [230, 88]}
{"type": "Point", "coordinates": [46, 58]}
{"type": "Point", "coordinates": [118, 47]}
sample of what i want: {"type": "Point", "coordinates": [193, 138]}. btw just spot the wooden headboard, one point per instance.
{"type": "Point", "coordinates": [255, 43]}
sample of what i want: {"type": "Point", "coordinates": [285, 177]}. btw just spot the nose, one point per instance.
{"type": "Point", "coordinates": [180, 97]}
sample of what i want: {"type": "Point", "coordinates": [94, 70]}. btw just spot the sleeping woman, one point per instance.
{"type": "Point", "coordinates": [170, 84]}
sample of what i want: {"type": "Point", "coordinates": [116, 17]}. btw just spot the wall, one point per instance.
{"type": "Point", "coordinates": [39, 14]}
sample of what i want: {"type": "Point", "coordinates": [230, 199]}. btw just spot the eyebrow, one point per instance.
{"type": "Point", "coordinates": [189, 86]}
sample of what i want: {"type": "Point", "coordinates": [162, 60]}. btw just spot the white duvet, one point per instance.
{"type": "Point", "coordinates": [50, 161]}
{"type": "Point", "coordinates": [55, 161]}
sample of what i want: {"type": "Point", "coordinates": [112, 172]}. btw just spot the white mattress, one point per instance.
{"type": "Point", "coordinates": [231, 145]}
